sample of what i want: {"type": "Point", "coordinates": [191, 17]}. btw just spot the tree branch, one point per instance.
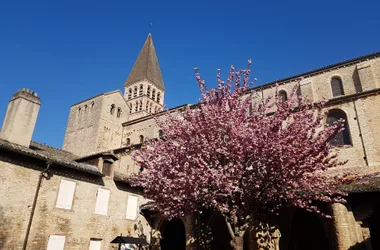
{"type": "Point", "coordinates": [231, 232]}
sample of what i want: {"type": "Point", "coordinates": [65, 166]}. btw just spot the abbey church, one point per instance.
{"type": "Point", "coordinates": [79, 197]}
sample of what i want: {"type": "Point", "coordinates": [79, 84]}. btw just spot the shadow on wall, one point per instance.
{"type": "Point", "coordinates": [365, 245]}
{"type": "Point", "coordinates": [3, 225]}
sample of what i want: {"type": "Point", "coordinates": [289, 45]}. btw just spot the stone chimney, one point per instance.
{"type": "Point", "coordinates": [21, 117]}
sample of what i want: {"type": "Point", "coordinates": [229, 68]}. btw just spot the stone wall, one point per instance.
{"type": "Point", "coordinates": [79, 224]}
{"type": "Point", "coordinates": [92, 128]}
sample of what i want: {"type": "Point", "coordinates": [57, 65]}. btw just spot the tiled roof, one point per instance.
{"type": "Point", "coordinates": [320, 70]}
{"type": "Point", "coordinates": [370, 185]}
{"type": "Point", "coordinates": [146, 66]}
{"type": "Point", "coordinates": [56, 156]}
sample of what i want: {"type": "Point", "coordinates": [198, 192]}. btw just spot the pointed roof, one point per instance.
{"type": "Point", "coordinates": [146, 66]}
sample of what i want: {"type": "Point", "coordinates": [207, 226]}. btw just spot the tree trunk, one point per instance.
{"type": "Point", "coordinates": [237, 243]}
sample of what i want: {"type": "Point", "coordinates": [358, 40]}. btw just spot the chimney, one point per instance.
{"type": "Point", "coordinates": [21, 117]}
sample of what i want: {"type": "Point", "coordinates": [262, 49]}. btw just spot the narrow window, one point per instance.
{"type": "Point", "coordinates": [283, 96]}
{"type": "Point", "coordinates": [56, 242]}
{"type": "Point", "coordinates": [141, 90]}
{"type": "Point", "coordinates": [135, 92]}
{"type": "Point", "coordinates": [65, 194]}
{"type": "Point", "coordinates": [154, 94]}
{"type": "Point", "coordinates": [336, 86]}
{"type": "Point", "coordinates": [160, 133]}
{"type": "Point", "coordinates": [112, 110]}
{"type": "Point", "coordinates": [129, 93]}
{"type": "Point", "coordinates": [148, 91]}
{"type": "Point", "coordinates": [130, 108]}
{"type": "Point", "coordinates": [140, 105]}
{"type": "Point", "coordinates": [79, 110]}
{"type": "Point", "coordinates": [128, 141]}
{"type": "Point", "coordinates": [141, 138]}
{"type": "Point", "coordinates": [136, 106]}
{"type": "Point", "coordinates": [158, 97]}
{"type": "Point", "coordinates": [343, 137]}
{"type": "Point", "coordinates": [95, 244]}
{"type": "Point", "coordinates": [118, 112]}
{"type": "Point", "coordinates": [92, 105]}
{"type": "Point", "coordinates": [131, 213]}
{"type": "Point", "coordinates": [102, 198]}
{"type": "Point", "coordinates": [147, 106]}
{"type": "Point", "coordinates": [85, 108]}
{"type": "Point", "coordinates": [150, 108]}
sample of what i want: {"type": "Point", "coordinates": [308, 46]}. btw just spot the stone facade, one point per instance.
{"type": "Point", "coordinates": [79, 224]}
{"type": "Point", "coordinates": [103, 130]}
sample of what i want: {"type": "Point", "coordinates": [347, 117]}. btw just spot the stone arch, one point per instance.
{"type": "Point", "coordinates": [307, 231]}
{"type": "Point", "coordinates": [343, 137]}
{"type": "Point", "coordinates": [173, 234]}
{"type": "Point", "coordinates": [374, 228]}
{"type": "Point", "coordinates": [336, 86]}
{"type": "Point", "coordinates": [283, 95]}
{"type": "Point", "coordinates": [220, 236]}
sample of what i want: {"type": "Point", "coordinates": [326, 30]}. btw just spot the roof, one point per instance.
{"type": "Point", "coordinates": [47, 153]}
{"type": "Point", "coordinates": [366, 185]}
{"type": "Point", "coordinates": [146, 66]}
{"type": "Point", "coordinates": [104, 93]}
{"type": "Point", "coordinates": [129, 240]}
{"type": "Point", "coordinates": [321, 70]}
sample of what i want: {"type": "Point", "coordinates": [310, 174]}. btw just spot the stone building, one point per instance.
{"type": "Point", "coordinates": [80, 198]}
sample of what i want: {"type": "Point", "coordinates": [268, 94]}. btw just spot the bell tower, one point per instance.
{"type": "Point", "coordinates": [144, 87]}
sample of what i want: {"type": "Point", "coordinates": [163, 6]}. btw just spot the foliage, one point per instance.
{"type": "Point", "coordinates": [241, 158]}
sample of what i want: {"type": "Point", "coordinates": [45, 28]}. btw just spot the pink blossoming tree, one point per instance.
{"type": "Point", "coordinates": [245, 160]}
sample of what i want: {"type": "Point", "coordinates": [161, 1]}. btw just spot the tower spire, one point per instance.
{"type": "Point", "coordinates": [146, 66]}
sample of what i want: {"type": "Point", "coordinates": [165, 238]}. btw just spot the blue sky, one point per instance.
{"type": "Point", "coordinates": [68, 51]}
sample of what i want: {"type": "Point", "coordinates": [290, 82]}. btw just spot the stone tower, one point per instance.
{"type": "Point", "coordinates": [144, 87]}
{"type": "Point", "coordinates": [21, 117]}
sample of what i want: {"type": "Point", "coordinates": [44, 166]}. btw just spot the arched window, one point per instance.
{"type": "Point", "coordinates": [154, 94]}
{"type": "Point", "coordinates": [141, 138]}
{"type": "Point", "coordinates": [147, 106]}
{"type": "Point", "coordinates": [136, 107]}
{"type": "Point", "coordinates": [79, 110]}
{"type": "Point", "coordinates": [92, 105]}
{"type": "Point", "coordinates": [336, 86]}
{"type": "Point", "coordinates": [112, 111]}
{"type": "Point", "coordinates": [148, 91]}
{"type": "Point", "coordinates": [118, 112]}
{"type": "Point", "coordinates": [283, 96]}
{"type": "Point", "coordinates": [130, 108]}
{"type": "Point", "coordinates": [343, 137]}
{"type": "Point", "coordinates": [128, 142]}
{"type": "Point", "coordinates": [85, 108]}
{"type": "Point", "coordinates": [141, 90]}
{"type": "Point", "coordinates": [160, 133]}
{"type": "Point", "coordinates": [129, 93]}
{"type": "Point", "coordinates": [158, 97]}
{"type": "Point", "coordinates": [135, 92]}
{"type": "Point", "coordinates": [140, 106]}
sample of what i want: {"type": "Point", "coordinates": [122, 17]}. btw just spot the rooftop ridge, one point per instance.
{"type": "Point", "coordinates": [319, 70]}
